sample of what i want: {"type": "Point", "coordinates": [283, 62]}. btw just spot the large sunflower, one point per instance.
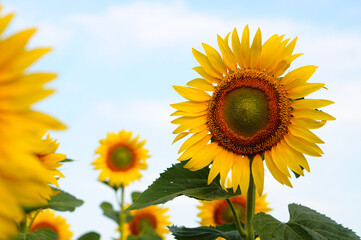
{"type": "Point", "coordinates": [251, 114]}
{"type": "Point", "coordinates": [121, 158]}
{"type": "Point", "coordinates": [24, 180]}
{"type": "Point", "coordinates": [213, 213]}
{"type": "Point", "coordinates": [153, 217]}
{"type": "Point", "coordinates": [48, 219]}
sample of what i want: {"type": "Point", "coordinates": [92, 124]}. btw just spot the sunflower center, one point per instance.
{"type": "Point", "coordinates": [40, 225]}
{"type": "Point", "coordinates": [246, 111]}
{"type": "Point", "coordinates": [227, 215]}
{"type": "Point", "coordinates": [120, 158]}
{"type": "Point", "coordinates": [249, 112]}
{"type": "Point", "coordinates": [140, 223]}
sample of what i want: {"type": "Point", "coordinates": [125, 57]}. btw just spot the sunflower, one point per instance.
{"type": "Point", "coordinates": [24, 180]}
{"type": "Point", "coordinates": [242, 111]}
{"type": "Point", "coordinates": [218, 212]}
{"type": "Point", "coordinates": [121, 158]}
{"type": "Point", "coordinates": [153, 217]}
{"type": "Point", "coordinates": [48, 219]}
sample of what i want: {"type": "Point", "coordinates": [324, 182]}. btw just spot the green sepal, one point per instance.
{"type": "Point", "coordinates": [67, 160]}
{"type": "Point", "coordinates": [115, 188]}
{"type": "Point", "coordinates": [109, 212]}
{"type": "Point", "coordinates": [177, 181]}
{"type": "Point", "coordinates": [40, 234]}
{"type": "Point", "coordinates": [60, 202]}
{"type": "Point", "coordinates": [90, 236]}
{"type": "Point", "coordinates": [204, 233]}
{"type": "Point", "coordinates": [304, 223]}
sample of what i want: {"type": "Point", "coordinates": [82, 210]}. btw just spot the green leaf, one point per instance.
{"type": "Point", "coordinates": [304, 223]}
{"type": "Point", "coordinates": [64, 202]}
{"type": "Point", "coordinates": [177, 181]}
{"type": "Point", "coordinates": [90, 236]}
{"type": "Point", "coordinates": [202, 233]}
{"type": "Point", "coordinates": [135, 196]}
{"type": "Point", "coordinates": [109, 212]}
{"type": "Point", "coordinates": [40, 234]}
{"type": "Point", "coordinates": [61, 202]}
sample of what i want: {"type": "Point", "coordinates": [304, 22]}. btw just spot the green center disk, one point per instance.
{"type": "Point", "coordinates": [121, 157]}
{"type": "Point", "coordinates": [246, 111]}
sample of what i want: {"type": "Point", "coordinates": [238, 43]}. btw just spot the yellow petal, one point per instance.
{"type": "Point", "coordinates": [215, 58]}
{"type": "Point", "coordinates": [227, 54]}
{"type": "Point", "coordinates": [203, 158]}
{"type": "Point", "coordinates": [289, 48]}
{"type": "Point", "coordinates": [227, 164]}
{"type": "Point", "coordinates": [303, 146]}
{"type": "Point", "coordinates": [312, 114]}
{"type": "Point", "coordinates": [303, 90]}
{"type": "Point", "coordinates": [189, 123]}
{"type": "Point", "coordinates": [200, 70]}
{"type": "Point", "coordinates": [258, 173]}
{"type": "Point", "coordinates": [179, 137]}
{"type": "Point", "coordinates": [4, 22]}
{"type": "Point", "coordinates": [304, 133]}
{"type": "Point", "coordinates": [244, 174]}
{"type": "Point", "coordinates": [298, 76]}
{"type": "Point", "coordinates": [192, 140]}
{"type": "Point", "coordinates": [311, 103]}
{"type": "Point", "coordinates": [195, 148]}
{"type": "Point", "coordinates": [217, 165]}
{"type": "Point", "coordinates": [190, 106]}
{"type": "Point", "coordinates": [276, 173]}
{"type": "Point", "coordinates": [269, 49]}
{"type": "Point", "coordinates": [201, 84]}
{"type": "Point", "coordinates": [236, 47]}
{"type": "Point", "coordinates": [256, 49]}
{"type": "Point", "coordinates": [297, 156]}
{"type": "Point", "coordinates": [285, 153]}
{"type": "Point", "coordinates": [206, 64]}
{"type": "Point", "coordinates": [245, 47]}
{"type": "Point", "coordinates": [285, 63]}
{"type": "Point", "coordinates": [189, 114]}
{"type": "Point", "coordinates": [279, 160]}
{"type": "Point", "coordinates": [308, 123]}
{"type": "Point", "coordinates": [192, 93]}
{"type": "Point", "coordinates": [14, 45]}
{"type": "Point", "coordinates": [28, 58]}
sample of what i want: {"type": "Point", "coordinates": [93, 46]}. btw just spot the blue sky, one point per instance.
{"type": "Point", "coordinates": [117, 62]}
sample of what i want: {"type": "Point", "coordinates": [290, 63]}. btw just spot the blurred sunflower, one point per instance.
{"type": "Point", "coordinates": [48, 219]}
{"type": "Point", "coordinates": [252, 112]}
{"type": "Point", "coordinates": [218, 212]}
{"type": "Point", "coordinates": [121, 158]}
{"type": "Point", "coordinates": [24, 180]}
{"type": "Point", "coordinates": [151, 217]}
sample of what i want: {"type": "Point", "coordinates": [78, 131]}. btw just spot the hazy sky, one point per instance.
{"type": "Point", "coordinates": [117, 62]}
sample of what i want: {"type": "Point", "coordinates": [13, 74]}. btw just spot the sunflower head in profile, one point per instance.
{"type": "Point", "coordinates": [213, 213]}
{"type": "Point", "coordinates": [244, 111]}
{"type": "Point", "coordinates": [151, 217]}
{"type": "Point", "coordinates": [120, 158]}
{"type": "Point", "coordinates": [48, 219]}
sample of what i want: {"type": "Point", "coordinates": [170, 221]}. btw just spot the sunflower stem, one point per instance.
{"type": "Point", "coordinates": [32, 221]}
{"type": "Point", "coordinates": [250, 208]}
{"type": "Point", "coordinates": [122, 217]}
{"type": "Point", "coordinates": [236, 218]}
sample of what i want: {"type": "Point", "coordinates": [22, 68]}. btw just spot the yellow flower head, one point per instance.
{"type": "Point", "coordinates": [121, 158]}
{"type": "Point", "coordinates": [249, 111]}
{"type": "Point", "coordinates": [48, 219]}
{"type": "Point", "coordinates": [24, 180]}
{"type": "Point", "coordinates": [153, 217]}
{"type": "Point", "coordinates": [218, 212]}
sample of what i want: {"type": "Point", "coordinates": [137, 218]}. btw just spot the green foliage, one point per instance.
{"type": "Point", "coordinates": [109, 212]}
{"type": "Point", "coordinates": [135, 196]}
{"type": "Point", "coordinates": [64, 202]}
{"type": "Point", "coordinates": [40, 234]}
{"type": "Point", "coordinates": [177, 181]}
{"type": "Point", "coordinates": [304, 223]}
{"type": "Point", "coordinates": [67, 160]}
{"type": "Point", "coordinates": [203, 233]}
{"type": "Point", "coordinates": [90, 236]}
{"type": "Point", "coordinates": [60, 202]}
